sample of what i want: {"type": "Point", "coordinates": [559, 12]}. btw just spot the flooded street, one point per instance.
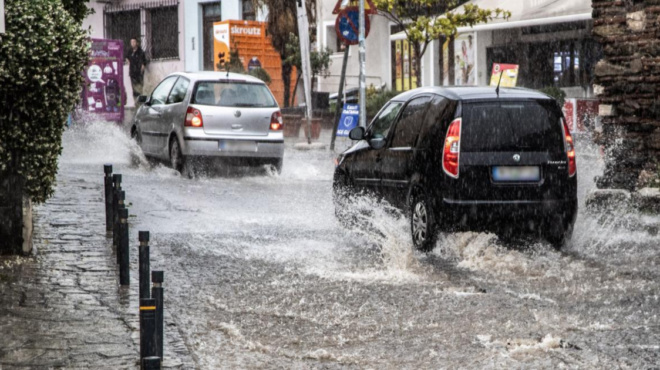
{"type": "Point", "coordinates": [259, 274]}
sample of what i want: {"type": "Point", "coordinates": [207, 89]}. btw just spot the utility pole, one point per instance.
{"type": "Point", "coordinates": [363, 69]}
{"type": "Point", "coordinates": [303, 32]}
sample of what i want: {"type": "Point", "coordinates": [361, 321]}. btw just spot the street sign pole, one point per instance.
{"type": "Point", "coordinates": [303, 32]}
{"type": "Point", "coordinates": [340, 98]}
{"type": "Point", "coordinates": [363, 69]}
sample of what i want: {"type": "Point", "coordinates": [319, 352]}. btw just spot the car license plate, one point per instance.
{"type": "Point", "coordinates": [237, 146]}
{"type": "Point", "coordinates": [516, 173]}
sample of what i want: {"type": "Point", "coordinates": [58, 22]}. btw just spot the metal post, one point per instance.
{"type": "Point", "coordinates": [107, 181]}
{"type": "Point", "coordinates": [116, 188]}
{"type": "Point", "coordinates": [303, 34]}
{"type": "Point", "coordinates": [122, 251]}
{"type": "Point", "coordinates": [144, 264]}
{"type": "Point", "coordinates": [157, 295]}
{"type": "Point", "coordinates": [340, 97]}
{"type": "Point", "coordinates": [147, 327]}
{"type": "Point", "coordinates": [151, 363]}
{"type": "Point", "coordinates": [363, 68]}
{"type": "Point", "coordinates": [120, 196]}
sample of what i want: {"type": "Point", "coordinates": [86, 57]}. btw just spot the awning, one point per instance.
{"type": "Point", "coordinates": [525, 13]}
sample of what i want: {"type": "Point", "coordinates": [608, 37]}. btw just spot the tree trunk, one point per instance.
{"type": "Point", "coordinates": [417, 49]}
{"type": "Point", "coordinates": [15, 216]}
{"type": "Point", "coordinates": [286, 79]}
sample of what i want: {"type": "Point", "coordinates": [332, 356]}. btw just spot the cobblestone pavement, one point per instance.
{"type": "Point", "coordinates": [63, 307]}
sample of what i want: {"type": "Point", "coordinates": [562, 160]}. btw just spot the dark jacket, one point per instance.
{"type": "Point", "coordinates": [137, 59]}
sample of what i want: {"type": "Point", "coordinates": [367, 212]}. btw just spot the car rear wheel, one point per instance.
{"type": "Point", "coordinates": [341, 187]}
{"type": "Point", "coordinates": [558, 233]}
{"type": "Point", "coordinates": [422, 223]}
{"type": "Point", "coordinates": [178, 161]}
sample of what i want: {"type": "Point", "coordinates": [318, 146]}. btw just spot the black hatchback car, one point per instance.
{"type": "Point", "coordinates": [467, 159]}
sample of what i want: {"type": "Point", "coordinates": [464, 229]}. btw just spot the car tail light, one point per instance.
{"type": "Point", "coordinates": [194, 118]}
{"type": "Point", "coordinates": [570, 150]}
{"type": "Point", "coordinates": [452, 149]}
{"type": "Point", "coordinates": [276, 121]}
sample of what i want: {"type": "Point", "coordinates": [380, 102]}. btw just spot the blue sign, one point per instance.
{"type": "Point", "coordinates": [347, 26]}
{"type": "Point", "coordinates": [349, 119]}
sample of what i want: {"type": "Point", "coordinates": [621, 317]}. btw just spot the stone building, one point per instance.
{"type": "Point", "coordinates": [628, 86]}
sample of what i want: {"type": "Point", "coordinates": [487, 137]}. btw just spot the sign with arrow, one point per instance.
{"type": "Point", "coordinates": [347, 26]}
{"type": "Point", "coordinates": [369, 7]}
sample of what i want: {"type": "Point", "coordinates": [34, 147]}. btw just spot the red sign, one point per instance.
{"type": "Point", "coordinates": [369, 7]}
{"type": "Point", "coordinates": [347, 26]}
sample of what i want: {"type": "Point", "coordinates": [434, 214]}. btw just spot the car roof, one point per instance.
{"type": "Point", "coordinates": [473, 93]}
{"type": "Point", "coordinates": [213, 75]}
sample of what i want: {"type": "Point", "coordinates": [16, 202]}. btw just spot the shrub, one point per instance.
{"type": "Point", "coordinates": [261, 74]}
{"type": "Point", "coordinates": [42, 56]}
{"type": "Point", "coordinates": [556, 93]}
{"type": "Point", "coordinates": [376, 99]}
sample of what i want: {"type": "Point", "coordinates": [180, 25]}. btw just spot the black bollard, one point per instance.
{"type": "Point", "coordinates": [151, 363]}
{"type": "Point", "coordinates": [107, 181]}
{"type": "Point", "coordinates": [144, 264]}
{"type": "Point", "coordinates": [116, 188]}
{"type": "Point", "coordinates": [147, 327]}
{"type": "Point", "coordinates": [124, 263]}
{"type": "Point", "coordinates": [121, 196]}
{"type": "Point", "coordinates": [157, 295]}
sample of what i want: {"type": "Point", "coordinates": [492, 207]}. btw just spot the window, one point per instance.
{"type": "Point", "coordinates": [123, 25]}
{"type": "Point", "coordinates": [511, 126]}
{"type": "Point", "coordinates": [248, 11]}
{"type": "Point", "coordinates": [178, 91]}
{"type": "Point", "coordinates": [164, 32]}
{"type": "Point", "coordinates": [233, 94]}
{"type": "Point", "coordinates": [381, 125]}
{"type": "Point", "coordinates": [159, 96]}
{"type": "Point", "coordinates": [212, 13]}
{"type": "Point", "coordinates": [333, 42]}
{"type": "Point", "coordinates": [154, 24]}
{"type": "Point", "coordinates": [410, 123]}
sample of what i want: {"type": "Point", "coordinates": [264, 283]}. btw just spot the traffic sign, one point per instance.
{"type": "Point", "coordinates": [347, 26]}
{"type": "Point", "coordinates": [369, 7]}
{"type": "Point", "coordinates": [349, 119]}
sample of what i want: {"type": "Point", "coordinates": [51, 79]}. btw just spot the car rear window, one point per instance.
{"type": "Point", "coordinates": [233, 94]}
{"type": "Point", "coordinates": [511, 126]}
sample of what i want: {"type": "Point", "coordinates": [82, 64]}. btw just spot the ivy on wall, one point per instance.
{"type": "Point", "coordinates": [42, 56]}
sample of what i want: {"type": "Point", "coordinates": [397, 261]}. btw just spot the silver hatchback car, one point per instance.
{"type": "Point", "coordinates": [191, 118]}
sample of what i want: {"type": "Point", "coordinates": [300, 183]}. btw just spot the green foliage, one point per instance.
{"type": "Point", "coordinates": [319, 60]}
{"type": "Point", "coordinates": [42, 56]}
{"type": "Point", "coordinates": [261, 74]}
{"type": "Point", "coordinates": [555, 92]}
{"type": "Point", "coordinates": [234, 65]}
{"type": "Point", "coordinates": [376, 99]}
{"type": "Point", "coordinates": [77, 9]}
{"type": "Point", "coordinates": [426, 20]}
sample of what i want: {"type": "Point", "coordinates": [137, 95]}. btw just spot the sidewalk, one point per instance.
{"type": "Point", "coordinates": [63, 307]}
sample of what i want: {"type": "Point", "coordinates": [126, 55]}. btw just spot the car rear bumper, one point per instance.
{"type": "Point", "coordinates": [494, 215]}
{"type": "Point", "coordinates": [270, 146]}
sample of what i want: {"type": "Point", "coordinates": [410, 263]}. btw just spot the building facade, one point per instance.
{"type": "Point", "coordinates": [176, 35]}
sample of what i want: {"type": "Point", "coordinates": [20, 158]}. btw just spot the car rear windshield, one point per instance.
{"type": "Point", "coordinates": [511, 126]}
{"type": "Point", "coordinates": [233, 94]}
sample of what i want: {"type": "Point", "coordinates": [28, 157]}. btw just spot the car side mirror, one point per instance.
{"type": "Point", "coordinates": [143, 99]}
{"type": "Point", "coordinates": [357, 133]}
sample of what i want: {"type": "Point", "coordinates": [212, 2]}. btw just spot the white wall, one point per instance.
{"type": "Point", "coordinates": [484, 41]}
{"type": "Point", "coordinates": [156, 70]}
{"type": "Point", "coordinates": [377, 52]}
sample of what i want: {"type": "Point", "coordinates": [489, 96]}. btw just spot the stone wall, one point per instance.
{"type": "Point", "coordinates": [628, 84]}
{"type": "Point", "coordinates": [15, 217]}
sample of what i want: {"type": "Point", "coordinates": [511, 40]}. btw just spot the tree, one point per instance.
{"type": "Point", "coordinates": [319, 60]}
{"type": "Point", "coordinates": [426, 20]}
{"type": "Point", "coordinates": [42, 56]}
{"type": "Point", "coordinates": [281, 22]}
{"type": "Point", "coordinates": [77, 9]}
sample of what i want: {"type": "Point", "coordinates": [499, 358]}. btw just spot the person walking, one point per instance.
{"type": "Point", "coordinates": [137, 60]}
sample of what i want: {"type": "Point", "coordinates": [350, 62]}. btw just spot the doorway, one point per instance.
{"type": "Point", "coordinates": [211, 13]}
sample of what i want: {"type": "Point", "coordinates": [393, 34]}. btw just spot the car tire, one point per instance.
{"type": "Point", "coordinates": [278, 164]}
{"type": "Point", "coordinates": [178, 161]}
{"type": "Point", "coordinates": [423, 227]}
{"type": "Point", "coordinates": [558, 233]}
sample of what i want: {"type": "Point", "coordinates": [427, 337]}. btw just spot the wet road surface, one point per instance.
{"type": "Point", "coordinates": [259, 274]}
